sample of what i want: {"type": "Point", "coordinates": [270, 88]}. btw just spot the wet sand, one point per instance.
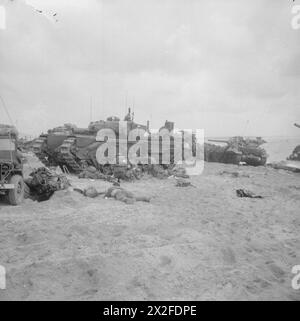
{"type": "Point", "coordinates": [188, 243]}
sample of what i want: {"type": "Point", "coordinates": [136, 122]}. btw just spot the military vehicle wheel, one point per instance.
{"type": "Point", "coordinates": [15, 196]}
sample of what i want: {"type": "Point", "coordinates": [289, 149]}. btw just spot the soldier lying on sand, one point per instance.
{"type": "Point", "coordinates": [117, 192]}
{"type": "Point", "coordinates": [125, 196]}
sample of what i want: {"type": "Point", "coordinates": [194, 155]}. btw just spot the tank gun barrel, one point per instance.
{"type": "Point", "coordinates": [219, 141]}
{"type": "Point", "coordinates": [79, 130]}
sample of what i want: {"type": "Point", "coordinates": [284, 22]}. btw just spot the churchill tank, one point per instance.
{"type": "Point", "coordinates": [79, 149]}
{"type": "Point", "coordinates": [46, 146]}
{"type": "Point", "coordinates": [74, 148]}
{"type": "Point", "coordinates": [237, 149]}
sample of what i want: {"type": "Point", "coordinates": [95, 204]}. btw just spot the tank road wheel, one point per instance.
{"type": "Point", "coordinates": [15, 196]}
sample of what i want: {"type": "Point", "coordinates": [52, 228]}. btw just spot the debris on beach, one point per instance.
{"type": "Point", "coordinates": [246, 193]}
{"type": "Point", "coordinates": [233, 174]}
{"type": "Point", "coordinates": [43, 183]}
{"type": "Point", "coordinates": [291, 166]}
{"type": "Point", "coordinates": [178, 171]}
{"type": "Point", "coordinates": [117, 173]}
{"type": "Point", "coordinates": [181, 182]}
{"type": "Point", "coordinates": [127, 173]}
{"type": "Point", "coordinates": [92, 173]}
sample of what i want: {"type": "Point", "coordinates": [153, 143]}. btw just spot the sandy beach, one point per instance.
{"type": "Point", "coordinates": [86, 84]}
{"type": "Point", "coordinates": [188, 243]}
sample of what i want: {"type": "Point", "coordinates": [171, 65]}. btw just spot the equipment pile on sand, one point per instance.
{"type": "Point", "coordinates": [181, 182]}
{"type": "Point", "coordinates": [246, 193]}
{"type": "Point", "coordinates": [115, 173]}
{"type": "Point", "coordinates": [291, 166]}
{"type": "Point", "coordinates": [92, 173]}
{"type": "Point", "coordinates": [112, 173]}
{"type": "Point", "coordinates": [43, 182]}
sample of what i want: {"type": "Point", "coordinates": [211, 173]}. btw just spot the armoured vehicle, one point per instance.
{"type": "Point", "coordinates": [74, 148]}
{"type": "Point", "coordinates": [46, 146]}
{"type": "Point", "coordinates": [182, 145]}
{"type": "Point", "coordinates": [80, 148]}
{"type": "Point", "coordinates": [238, 149]}
{"type": "Point", "coordinates": [12, 185]}
{"type": "Point", "coordinates": [70, 147]}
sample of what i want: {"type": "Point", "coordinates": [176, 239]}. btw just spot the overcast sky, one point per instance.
{"type": "Point", "coordinates": [231, 67]}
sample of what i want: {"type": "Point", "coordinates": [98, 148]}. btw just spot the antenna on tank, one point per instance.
{"type": "Point", "coordinates": [91, 109]}
{"type": "Point", "coordinates": [133, 108]}
{"type": "Point", "coordinates": [6, 110]}
{"type": "Point", "coordinates": [126, 98]}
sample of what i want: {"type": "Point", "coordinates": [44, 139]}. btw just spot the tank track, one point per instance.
{"type": "Point", "coordinates": [68, 157]}
{"type": "Point", "coordinates": [38, 151]}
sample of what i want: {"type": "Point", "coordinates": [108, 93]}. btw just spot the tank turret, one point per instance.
{"type": "Point", "coordinates": [238, 149]}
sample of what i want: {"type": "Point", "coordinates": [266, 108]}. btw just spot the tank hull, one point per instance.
{"type": "Point", "coordinates": [236, 150]}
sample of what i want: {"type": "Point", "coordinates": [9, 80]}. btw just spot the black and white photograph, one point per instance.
{"type": "Point", "coordinates": [149, 151]}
